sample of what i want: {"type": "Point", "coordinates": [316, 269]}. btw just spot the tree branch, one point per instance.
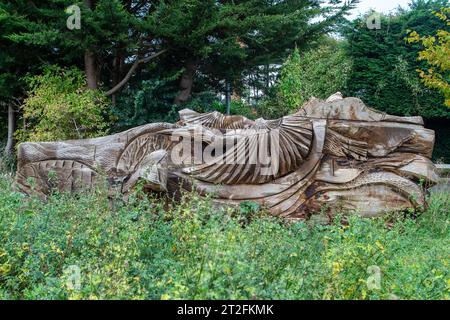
{"type": "Point", "coordinates": [130, 72]}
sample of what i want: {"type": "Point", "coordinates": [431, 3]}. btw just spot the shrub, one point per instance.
{"type": "Point", "coordinates": [7, 162]}
{"type": "Point", "coordinates": [237, 107]}
{"type": "Point", "coordinates": [60, 107]}
{"type": "Point", "coordinates": [436, 51]}
{"type": "Point", "coordinates": [149, 101]}
{"type": "Point", "coordinates": [149, 249]}
{"type": "Point", "coordinates": [319, 72]}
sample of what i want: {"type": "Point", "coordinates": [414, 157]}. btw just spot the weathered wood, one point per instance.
{"type": "Point", "coordinates": [331, 156]}
{"type": "Point", "coordinates": [443, 168]}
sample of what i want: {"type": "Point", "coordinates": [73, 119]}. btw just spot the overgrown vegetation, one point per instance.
{"type": "Point", "coordinates": [152, 58]}
{"type": "Point", "coordinates": [60, 107]}
{"type": "Point", "coordinates": [139, 61]}
{"type": "Point", "coordinates": [319, 72]}
{"type": "Point", "coordinates": [436, 52]}
{"type": "Point", "coordinates": [384, 64]}
{"type": "Point", "coordinates": [146, 250]}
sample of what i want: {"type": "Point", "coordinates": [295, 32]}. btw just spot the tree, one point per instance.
{"type": "Point", "coordinates": [437, 53]}
{"type": "Point", "coordinates": [112, 41]}
{"type": "Point", "coordinates": [122, 43]}
{"type": "Point", "coordinates": [217, 38]}
{"type": "Point", "coordinates": [15, 62]}
{"type": "Point", "coordinates": [384, 67]}
{"type": "Point", "coordinates": [318, 72]}
{"type": "Point", "coordinates": [238, 38]}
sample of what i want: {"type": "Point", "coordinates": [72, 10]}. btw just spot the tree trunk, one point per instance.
{"type": "Point", "coordinates": [186, 82]}
{"type": "Point", "coordinates": [267, 67]}
{"type": "Point", "coordinates": [90, 64]}
{"type": "Point", "coordinates": [228, 97]}
{"type": "Point", "coordinates": [90, 69]}
{"type": "Point", "coordinates": [11, 124]}
{"type": "Point", "coordinates": [116, 76]}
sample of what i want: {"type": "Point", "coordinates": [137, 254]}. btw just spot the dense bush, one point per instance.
{"type": "Point", "coordinates": [384, 64]}
{"type": "Point", "coordinates": [59, 106]}
{"type": "Point", "coordinates": [436, 53]}
{"type": "Point", "coordinates": [148, 101]}
{"type": "Point", "coordinates": [145, 250]}
{"type": "Point", "coordinates": [319, 72]}
{"type": "Point", "coordinates": [152, 101]}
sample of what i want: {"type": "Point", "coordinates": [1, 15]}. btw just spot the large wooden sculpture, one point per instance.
{"type": "Point", "coordinates": [335, 155]}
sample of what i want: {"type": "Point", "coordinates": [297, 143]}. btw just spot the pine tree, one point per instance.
{"type": "Point", "coordinates": [218, 38]}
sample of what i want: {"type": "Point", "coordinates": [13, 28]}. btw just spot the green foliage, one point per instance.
{"type": "Point", "coordinates": [60, 107]}
{"type": "Point", "coordinates": [103, 29]}
{"type": "Point", "coordinates": [228, 38]}
{"type": "Point", "coordinates": [149, 101]}
{"type": "Point", "coordinates": [7, 162]}
{"type": "Point", "coordinates": [384, 70]}
{"type": "Point", "coordinates": [319, 72]}
{"type": "Point", "coordinates": [242, 108]}
{"type": "Point", "coordinates": [152, 101]}
{"type": "Point", "coordinates": [436, 52]}
{"type": "Point", "coordinates": [43, 243]}
{"type": "Point", "coordinates": [237, 107]}
{"type": "Point", "coordinates": [192, 250]}
{"type": "Point", "coordinates": [384, 65]}
{"type": "Point", "coordinates": [247, 208]}
{"type": "Point", "coordinates": [16, 60]}
{"type": "Point", "coordinates": [222, 39]}
{"type": "Point", "coordinates": [205, 101]}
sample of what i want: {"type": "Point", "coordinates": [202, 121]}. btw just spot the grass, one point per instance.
{"type": "Point", "coordinates": [83, 247]}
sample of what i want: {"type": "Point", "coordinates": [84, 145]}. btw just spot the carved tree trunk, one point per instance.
{"type": "Point", "coordinates": [186, 82]}
{"type": "Point", "coordinates": [11, 127]}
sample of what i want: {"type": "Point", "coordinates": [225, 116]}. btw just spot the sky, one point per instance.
{"type": "Point", "coordinates": [383, 6]}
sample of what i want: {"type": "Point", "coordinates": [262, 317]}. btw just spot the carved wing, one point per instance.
{"type": "Point", "coordinates": [266, 151]}
{"type": "Point", "coordinates": [214, 120]}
